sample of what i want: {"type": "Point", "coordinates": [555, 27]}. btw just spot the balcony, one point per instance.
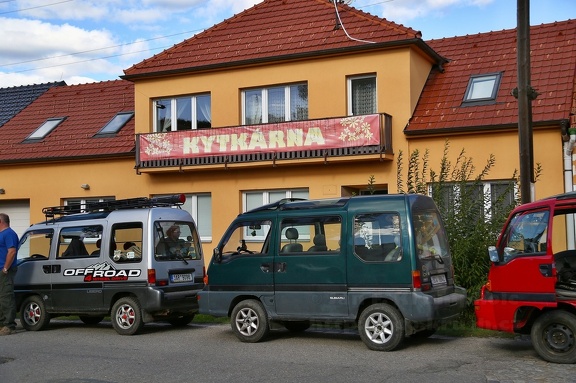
{"type": "Point", "coordinates": [355, 138]}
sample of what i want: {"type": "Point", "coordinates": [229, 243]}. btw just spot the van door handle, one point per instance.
{"type": "Point", "coordinates": [546, 269]}
{"type": "Point", "coordinates": [51, 269]}
{"type": "Point", "coordinates": [265, 267]}
{"type": "Point", "coordinates": [281, 267]}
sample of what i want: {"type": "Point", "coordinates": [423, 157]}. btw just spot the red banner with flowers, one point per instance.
{"type": "Point", "coordinates": [281, 137]}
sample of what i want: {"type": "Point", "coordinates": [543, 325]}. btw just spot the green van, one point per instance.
{"type": "Point", "coordinates": [381, 262]}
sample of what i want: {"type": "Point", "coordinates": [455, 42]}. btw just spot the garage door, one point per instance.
{"type": "Point", "coordinates": [19, 213]}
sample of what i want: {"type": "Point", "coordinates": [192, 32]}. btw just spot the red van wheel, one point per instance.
{"type": "Point", "coordinates": [553, 336]}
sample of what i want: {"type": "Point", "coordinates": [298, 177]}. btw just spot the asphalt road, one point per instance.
{"type": "Point", "coordinates": [71, 352]}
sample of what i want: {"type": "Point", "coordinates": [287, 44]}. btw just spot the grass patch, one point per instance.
{"type": "Point", "coordinates": [202, 318]}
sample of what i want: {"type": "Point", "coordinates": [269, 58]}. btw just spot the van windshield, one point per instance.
{"type": "Point", "coordinates": [35, 245]}
{"type": "Point", "coordinates": [176, 240]}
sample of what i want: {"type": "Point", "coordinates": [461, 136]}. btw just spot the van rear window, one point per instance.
{"type": "Point", "coordinates": [176, 240]}
{"type": "Point", "coordinates": [431, 240]}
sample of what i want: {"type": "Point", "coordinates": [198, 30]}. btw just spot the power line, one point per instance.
{"type": "Point", "coordinates": [119, 45]}
{"type": "Point", "coordinates": [88, 60]}
{"type": "Point", "coordinates": [39, 6]}
{"type": "Point", "coordinates": [100, 49]}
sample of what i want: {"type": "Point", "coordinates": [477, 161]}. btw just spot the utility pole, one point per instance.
{"type": "Point", "coordinates": [525, 94]}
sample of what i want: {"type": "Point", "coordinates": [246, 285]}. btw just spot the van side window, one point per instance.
{"type": "Point", "coordinates": [126, 245]}
{"type": "Point", "coordinates": [35, 245]}
{"type": "Point", "coordinates": [316, 234]}
{"type": "Point", "coordinates": [78, 241]}
{"type": "Point", "coordinates": [377, 237]}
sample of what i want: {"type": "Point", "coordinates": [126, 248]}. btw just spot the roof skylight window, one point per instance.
{"type": "Point", "coordinates": [46, 128]}
{"type": "Point", "coordinates": [115, 124]}
{"type": "Point", "coordinates": [482, 88]}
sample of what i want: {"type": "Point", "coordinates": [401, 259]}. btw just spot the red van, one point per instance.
{"type": "Point", "coordinates": [531, 286]}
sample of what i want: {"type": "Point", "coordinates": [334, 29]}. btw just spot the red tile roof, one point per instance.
{"type": "Point", "coordinates": [553, 70]}
{"type": "Point", "coordinates": [87, 109]}
{"type": "Point", "coordinates": [276, 29]}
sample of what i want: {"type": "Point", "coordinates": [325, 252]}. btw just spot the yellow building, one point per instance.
{"type": "Point", "coordinates": [297, 98]}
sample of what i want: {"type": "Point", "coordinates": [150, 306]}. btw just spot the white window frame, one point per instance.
{"type": "Point", "coordinates": [174, 111]}
{"type": "Point", "coordinates": [349, 82]}
{"type": "Point", "coordinates": [476, 91]}
{"type": "Point", "coordinates": [486, 192]}
{"type": "Point", "coordinates": [201, 218]}
{"type": "Point", "coordinates": [266, 194]}
{"type": "Point", "coordinates": [264, 101]}
{"type": "Point", "coordinates": [84, 201]}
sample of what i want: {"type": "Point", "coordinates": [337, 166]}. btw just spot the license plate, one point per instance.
{"type": "Point", "coordinates": [177, 278]}
{"type": "Point", "coordinates": [439, 279]}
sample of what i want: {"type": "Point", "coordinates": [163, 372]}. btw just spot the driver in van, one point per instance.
{"type": "Point", "coordinates": [172, 246]}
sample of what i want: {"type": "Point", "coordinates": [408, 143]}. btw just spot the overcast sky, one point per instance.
{"type": "Point", "coordinates": [80, 41]}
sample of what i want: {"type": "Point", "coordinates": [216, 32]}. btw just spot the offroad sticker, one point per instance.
{"type": "Point", "coordinates": [102, 272]}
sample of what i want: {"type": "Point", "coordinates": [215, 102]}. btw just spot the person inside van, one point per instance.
{"type": "Point", "coordinates": [96, 252]}
{"type": "Point", "coordinates": [75, 248]}
{"type": "Point", "coordinates": [172, 246]}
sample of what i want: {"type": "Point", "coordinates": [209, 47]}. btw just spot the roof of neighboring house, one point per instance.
{"type": "Point", "coordinates": [276, 30]}
{"type": "Point", "coordinates": [14, 99]}
{"type": "Point", "coordinates": [87, 108]}
{"type": "Point", "coordinates": [553, 70]}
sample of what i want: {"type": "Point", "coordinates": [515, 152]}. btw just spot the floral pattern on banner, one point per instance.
{"type": "Point", "coordinates": [355, 128]}
{"type": "Point", "coordinates": [158, 144]}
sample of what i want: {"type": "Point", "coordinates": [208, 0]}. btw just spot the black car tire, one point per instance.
{"type": "Point", "coordinates": [33, 314]}
{"type": "Point", "coordinates": [127, 316]}
{"type": "Point", "coordinates": [249, 321]}
{"type": "Point", "coordinates": [553, 336]}
{"type": "Point", "coordinates": [381, 327]}
{"type": "Point", "coordinates": [181, 321]}
{"type": "Point", "coordinates": [91, 320]}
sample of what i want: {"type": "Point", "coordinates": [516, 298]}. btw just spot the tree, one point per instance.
{"type": "Point", "coordinates": [473, 219]}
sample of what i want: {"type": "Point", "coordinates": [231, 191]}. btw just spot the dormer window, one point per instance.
{"type": "Point", "coordinates": [46, 128]}
{"type": "Point", "coordinates": [482, 88]}
{"type": "Point", "coordinates": [115, 124]}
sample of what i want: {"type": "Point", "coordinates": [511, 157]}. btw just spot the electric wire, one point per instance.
{"type": "Point", "coordinates": [39, 6]}
{"type": "Point", "coordinates": [127, 44]}
{"type": "Point", "coordinates": [344, 29]}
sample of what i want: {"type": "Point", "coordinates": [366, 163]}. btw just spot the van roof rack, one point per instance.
{"type": "Point", "coordinates": [120, 204]}
{"type": "Point", "coordinates": [276, 205]}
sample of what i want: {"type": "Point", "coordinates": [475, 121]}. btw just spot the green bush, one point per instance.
{"type": "Point", "coordinates": [473, 219]}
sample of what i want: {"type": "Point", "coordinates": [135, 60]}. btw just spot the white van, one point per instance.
{"type": "Point", "coordinates": [136, 260]}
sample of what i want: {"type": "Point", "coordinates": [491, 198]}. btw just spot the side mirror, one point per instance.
{"type": "Point", "coordinates": [217, 255]}
{"type": "Point", "coordinates": [493, 254]}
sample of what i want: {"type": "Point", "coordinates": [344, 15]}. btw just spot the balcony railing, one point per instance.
{"type": "Point", "coordinates": [320, 139]}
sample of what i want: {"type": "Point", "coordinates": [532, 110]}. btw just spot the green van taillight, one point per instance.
{"type": "Point", "coordinates": [416, 280]}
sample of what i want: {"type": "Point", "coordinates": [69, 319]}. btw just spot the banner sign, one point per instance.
{"type": "Point", "coordinates": [281, 137]}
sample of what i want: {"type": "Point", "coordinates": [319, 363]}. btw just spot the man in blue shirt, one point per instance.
{"type": "Point", "coordinates": [8, 248]}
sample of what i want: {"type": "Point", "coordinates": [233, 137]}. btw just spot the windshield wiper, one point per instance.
{"type": "Point", "coordinates": [179, 256]}
{"type": "Point", "coordinates": [436, 257]}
